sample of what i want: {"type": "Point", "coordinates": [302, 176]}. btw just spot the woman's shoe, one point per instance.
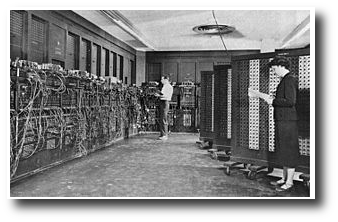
{"type": "Point", "coordinates": [278, 182]}
{"type": "Point", "coordinates": [163, 138]}
{"type": "Point", "coordinates": [285, 187]}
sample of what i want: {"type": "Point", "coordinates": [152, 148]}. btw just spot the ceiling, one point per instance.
{"type": "Point", "coordinates": [172, 30]}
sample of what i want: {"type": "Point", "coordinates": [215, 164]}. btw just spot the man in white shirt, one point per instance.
{"type": "Point", "coordinates": [165, 97]}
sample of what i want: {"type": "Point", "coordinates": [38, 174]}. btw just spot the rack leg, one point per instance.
{"type": "Point", "coordinates": [306, 179]}
{"type": "Point", "coordinates": [203, 144]}
{"type": "Point", "coordinates": [213, 153]}
{"type": "Point", "coordinates": [253, 170]}
{"type": "Point", "coordinates": [229, 165]}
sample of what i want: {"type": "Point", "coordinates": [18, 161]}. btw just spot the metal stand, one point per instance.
{"type": "Point", "coordinates": [306, 179]}
{"type": "Point", "coordinates": [231, 164]}
{"type": "Point", "coordinates": [254, 170]}
{"type": "Point", "coordinates": [219, 155]}
{"type": "Point", "coordinates": [204, 144]}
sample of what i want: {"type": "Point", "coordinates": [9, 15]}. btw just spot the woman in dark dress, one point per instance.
{"type": "Point", "coordinates": [285, 117]}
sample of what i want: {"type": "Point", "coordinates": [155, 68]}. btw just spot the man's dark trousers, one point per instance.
{"type": "Point", "coordinates": [163, 121]}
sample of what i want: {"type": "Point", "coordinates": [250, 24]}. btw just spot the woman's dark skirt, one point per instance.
{"type": "Point", "coordinates": [286, 143]}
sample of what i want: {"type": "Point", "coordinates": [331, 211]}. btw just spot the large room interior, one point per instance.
{"type": "Point", "coordinates": [84, 104]}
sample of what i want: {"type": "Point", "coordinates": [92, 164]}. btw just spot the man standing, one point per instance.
{"type": "Point", "coordinates": [165, 97]}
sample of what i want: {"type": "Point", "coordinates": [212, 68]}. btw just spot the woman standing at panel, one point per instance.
{"type": "Point", "coordinates": [285, 117]}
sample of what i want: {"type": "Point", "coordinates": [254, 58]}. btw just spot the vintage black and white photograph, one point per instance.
{"type": "Point", "coordinates": [143, 103]}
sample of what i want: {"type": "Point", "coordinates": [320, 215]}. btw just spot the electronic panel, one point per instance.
{"type": "Point", "coordinates": [207, 105]}
{"type": "Point", "coordinates": [222, 102]}
{"type": "Point", "coordinates": [253, 130]}
{"type": "Point", "coordinates": [61, 114]}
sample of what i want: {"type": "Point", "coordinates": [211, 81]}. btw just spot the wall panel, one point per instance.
{"type": "Point", "coordinates": [112, 64]}
{"type": "Point", "coordinates": [171, 68]}
{"type": "Point", "coordinates": [38, 40]}
{"type": "Point", "coordinates": [57, 42]}
{"type": "Point", "coordinates": [72, 55]}
{"type": "Point", "coordinates": [187, 72]}
{"type": "Point", "coordinates": [192, 62]}
{"type": "Point", "coordinates": [85, 55]}
{"type": "Point", "coordinates": [154, 71]}
{"type": "Point", "coordinates": [103, 62]}
{"type": "Point", "coordinates": [94, 58]}
{"type": "Point", "coordinates": [17, 34]}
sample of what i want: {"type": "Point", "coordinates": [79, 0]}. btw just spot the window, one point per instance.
{"type": "Point", "coordinates": [38, 41]}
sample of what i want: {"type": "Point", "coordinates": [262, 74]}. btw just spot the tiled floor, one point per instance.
{"type": "Point", "coordinates": [145, 167]}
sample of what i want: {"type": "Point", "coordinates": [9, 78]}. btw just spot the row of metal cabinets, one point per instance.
{"type": "Point", "coordinates": [244, 127]}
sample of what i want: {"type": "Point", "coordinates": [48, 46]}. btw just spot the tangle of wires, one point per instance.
{"type": "Point", "coordinates": [53, 108]}
{"type": "Point", "coordinates": [148, 104]}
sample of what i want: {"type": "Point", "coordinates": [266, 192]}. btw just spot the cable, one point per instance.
{"type": "Point", "coordinates": [219, 32]}
{"type": "Point", "coordinates": [93, 119]}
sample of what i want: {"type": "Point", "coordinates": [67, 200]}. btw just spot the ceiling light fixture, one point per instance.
{"type": "Point", "coordinates": [216, 29]}
{"type": "Point", "coordinates": [213, 29]}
